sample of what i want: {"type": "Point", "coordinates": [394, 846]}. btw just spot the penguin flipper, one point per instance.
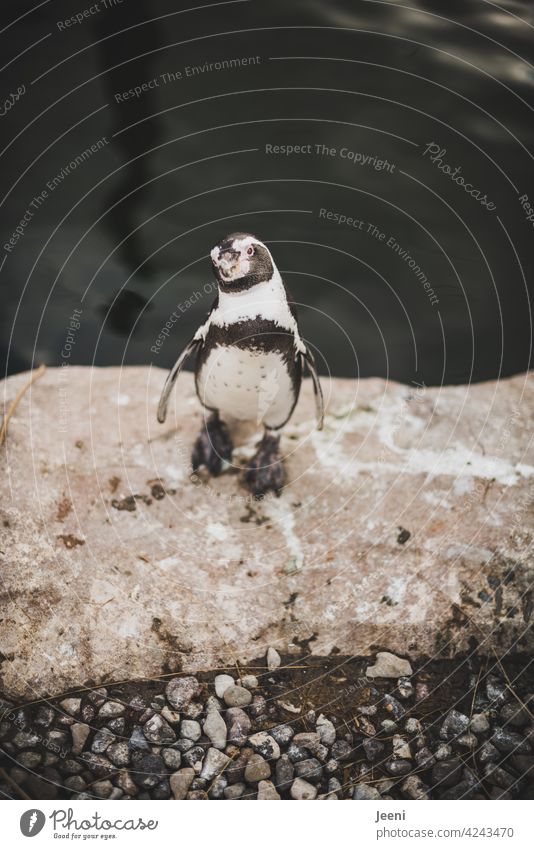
{"type": "Point", "coordinates": [189, 349]}
{"type": "Point", "coordinates": [309, 360]}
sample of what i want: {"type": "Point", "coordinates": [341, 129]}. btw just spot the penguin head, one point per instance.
{"type": "Point", "coordinates": [241, 261]}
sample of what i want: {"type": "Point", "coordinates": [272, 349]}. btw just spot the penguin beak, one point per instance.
{"type": "Point", "coordinates": [227, 261]}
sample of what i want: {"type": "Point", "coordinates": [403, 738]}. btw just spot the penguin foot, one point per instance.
{"type": "Point", "coordinates": [266, 471]}
{"type": "Point", "coordinates": [213, 445]}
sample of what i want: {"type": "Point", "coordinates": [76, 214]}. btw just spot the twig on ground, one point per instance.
{"type": "Point", "coordinates": [35, 375]}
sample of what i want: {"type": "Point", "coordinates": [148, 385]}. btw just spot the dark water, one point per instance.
{"type": "Point", "coordinates": [427, 282]}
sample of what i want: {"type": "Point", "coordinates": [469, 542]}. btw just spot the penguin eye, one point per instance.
{"type": "Point", "coordinates": [250, 250]}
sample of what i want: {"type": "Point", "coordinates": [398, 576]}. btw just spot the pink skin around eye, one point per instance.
{"type": "Point", "coordinates": [250, 251]}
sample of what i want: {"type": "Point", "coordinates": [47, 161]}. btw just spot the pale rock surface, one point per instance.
{"type": "Point", "coordinates": [405, 525]}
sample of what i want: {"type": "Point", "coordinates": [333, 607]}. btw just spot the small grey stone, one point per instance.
{"type": "Point", "coordinates": [342, 751]}
{"type": "Point", "coordinates": [265, 745]}
{"type": "Point", "coordinates": [514, 714]}
{"type": "Point", "coordinates": [71, 706]}
{"type": "Point", "coordinates": [424, 758]}
{"type": "Point", "coordinates": [443, 751]}
{"type": "Point", "coordinates": [366, 726]}
{"type": "Point", "coordinates": [250, 682]}
{"type": "Point", "coordinates": [102, 739]}
{"type": "Point", "coordinates": [447, 773]}
{"type": "Point", "coordinates": [180, 782]}
{"type": "Point", "coordinates": [215, 728]}
{"type": "Point", "coordinates": [237, 696]}
{"type": "Point", "coordinates": [158, 731]}
{"type": "Point", "coordinates": [29, 759]}
{"type": "Point", "coordinates": [44, 716]}
{"type": "Point", "coordinates": [69, 766]}
{"type": "Point", "coordinates": [398, 767]}
{"type": "Point", "coordinates": [321, 752]}
{"type": "Point", "coordinates": [194, 757]}
{"type": "Point", "coordinates": [273, 659]}
{"type": "Point", "coordinates": [138, 740]}
{"type": "Point", "coordinates": [170, 716]}
{"type": "Point", "coordinates": [401, 747]}
{"type": "Point", "coordinates": [213, 703]}
{"type": "Point", "coordinates": [496, 690]}
{"type": "Point", "coordinates": [405, 688]}
{"type": "Point", "coordinates": [26, 739]}
{"type": "Point", "coordinates": [331, 766]}
{"type": "Point", "coordinates": [325, 730]}
{"type": "Point", "coordinates": [284, 773]}
{"type": "Point", "coordinates": [488, 753]}
{"type": "Point", "coordinates": [388, 665]}
{"type": "Point", "coordinates": [267, 790]}
{"type": "Point", "coordinates": [463, 790]}
{"type": "Point", "coordinates": [413, 726]}
{"type": "Point", "coordinates": [498, 776]}
{"type": "Point", "coordinates": [171, 758]}
{"type": "Point", "coordinates": [310, 769]}
{"type": "Point", "coordinates": [234, 791]}
{"type": "Point", "coordinates": [414, 788]}
{"type": "Point", "coordinates": [98, 696]}
{"type": "Point", "coordinates": [297, 753]}
{"type": "Point", "coordinates": [214, 763]}
{"type": "Point", "coordinates": [388, 726]}
{"type": "Point", "coordinates": [479, 723]}
{"type": "Point", "coordinates": [393, 707]}
{"type": "Point", "coordinates": [162, 790]}
{"type": "Point", "coordinates": [309, 739]}
{"type": "Point", "coordinates": [103, 789]}
{"type": "Point", "coordinates": [217, 787]}
{"type": "Point", "coordinates": [191, 729]}
{"type": "Point", "coordinates": [283, 734]}
{"type": "Point", "coordinates": [110, 710]}
{"type": "Point", "coordinates": [117, 725]}
{"type": "Point", "coordinates": [239, 725]}
{"type": "Point", "coordinates": [302, 790]}
{"type": "Point", "coordinates": [510, 741]}
{"type": "Point", "coordinates": [183, 745]}
{"type": "Point", "coordinates": [180, 692]}
{"type": "Point", "coordinates": [455, 723]}
{"type": "Point", "coordinates": [373, 748]}
{"type": "Point", "coordinates": [258, 706]}
{"type": "Point", "coordinates": [257, 769]}
{"type": "Point", "coordinates": [138, 703]}
{"type": "Point", "coordinates": [149, 770]}
{"type": "Point", "coordinates": [365, 791]}
{"type": "Point", "coordinates": [88, 713]}
{"type": "Point", "coordinates": [80, 732]}
{"type": "Point", "coordinates": [334, 786]}
{"type": "Point", "coordinates": [119, 753]}
{"type": "Point", "coordinates": [126, 783]}
{"type": "Point", "coordinates": [75, 783]}
{"type": "Point", "coordinates": [97, 764]}
{"type": "Point", "coordinates": [466, 741]}
{"type": "Point", "coordinates": [384, 785]}
{"type": "Point", "coordinates": [367, 710]}
{"type": "Point", "coordinates": [222, 682]}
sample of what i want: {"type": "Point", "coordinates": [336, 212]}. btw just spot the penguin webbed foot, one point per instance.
{"type": "Point", "coordinates": [213, 445]}
{"type": "Point", "coordinates": [265, 471]}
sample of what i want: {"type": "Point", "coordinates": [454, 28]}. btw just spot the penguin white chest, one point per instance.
{"type": "Point", "coordinates": [247, 385]}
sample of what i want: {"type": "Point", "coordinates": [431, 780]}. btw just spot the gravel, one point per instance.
{"type": "Point", "coordinates": [236, 696]}
{"type": "Point", "coordinates": [222, 682]}
{"type": "Point", "coordinates": [188, 743]}
{"type": "Point", "coordinates": [388, 665]}
{"type": "Point", "coordinates": [215, 728]}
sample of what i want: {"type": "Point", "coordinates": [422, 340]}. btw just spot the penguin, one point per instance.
{"type": "Point", "coordinates": [249, 362]}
